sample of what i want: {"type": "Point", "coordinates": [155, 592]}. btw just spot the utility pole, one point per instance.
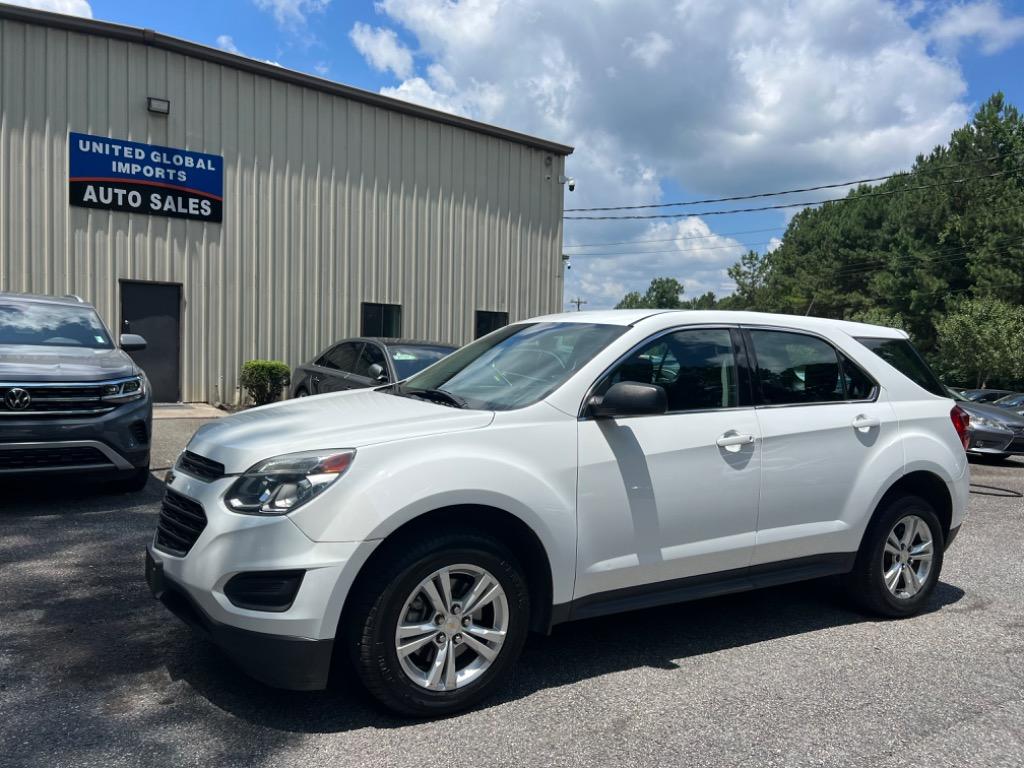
{"type": "Point", "coordinates": [578, 302]}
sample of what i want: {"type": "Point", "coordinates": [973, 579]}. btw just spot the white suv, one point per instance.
{"type": "Point", "coordinates": [557, 469]}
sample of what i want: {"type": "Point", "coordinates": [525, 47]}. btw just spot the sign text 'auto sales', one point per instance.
{"type": "Point", "coordinates": [120, 175]}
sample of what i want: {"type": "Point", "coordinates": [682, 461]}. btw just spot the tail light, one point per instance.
{"type": "Point", "coordinates": [961, 421]}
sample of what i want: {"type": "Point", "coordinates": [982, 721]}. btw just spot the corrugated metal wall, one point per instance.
{"type": "Point", "coordinates": [327, 203]}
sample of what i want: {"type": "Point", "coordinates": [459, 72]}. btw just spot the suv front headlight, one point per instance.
{"type": "Point", "coordinates": [281, 484]}
{"type": "Point", "coordinates": [124, 391]}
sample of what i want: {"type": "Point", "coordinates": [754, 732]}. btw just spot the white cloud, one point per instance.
{"type": "Point", "coordinates": [984, 21]}
{"type": "Point", "coordinates": [227, 43]}
{"type": "Point", "coordinates": [322, 68]}
{"type": "Point", "coordinates": [292, 13]}
{"type": "Point", "coordinates": [686, 249]}
{"type": "Point", "coordinates": [70, 7]}
{"type": "Point", "coordinates": [650, 49]}
{"type": "Point", "coordinates": [714, 99]}
{"type": "Point", "coordinates": [382, 49]}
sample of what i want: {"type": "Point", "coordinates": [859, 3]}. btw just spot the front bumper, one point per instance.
{"type": "Point", "coordinates": [283, 647]}
{"type": "Point", "coordinates": [117, 436]}
{"type": "Point", "coordinates": [294, 663]}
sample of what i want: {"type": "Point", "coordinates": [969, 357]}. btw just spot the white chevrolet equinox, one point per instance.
{"type": "Point", "coordinates": [557, 469]}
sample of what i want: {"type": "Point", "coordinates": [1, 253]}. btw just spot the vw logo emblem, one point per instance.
{"type": "Point", "coordinates": [17, 399]}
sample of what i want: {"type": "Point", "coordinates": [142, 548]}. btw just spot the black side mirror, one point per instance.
{"type": "Point", "coordinates": [629, 398]}
{"type": "Point", "coordinates": [132, 342]}
{"type": "Point", "coordinates": [377, 373]}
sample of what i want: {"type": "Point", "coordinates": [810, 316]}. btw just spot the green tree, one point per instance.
{"type": "Point", "coordinates": [879, 316]}
{"type": "Point", "coordinates": [750, 274]}
{"type": "Point", "coordinates": [912, 246]}
{"type": "Point", "coordinates": [983, 340]}
{"type": "Point", "coordinates": [663, 293]}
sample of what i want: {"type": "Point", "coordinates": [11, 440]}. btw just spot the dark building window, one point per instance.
{"type": "Point", "coordinates": [382, 320]}
{"type": "Point", "coordinates": [489, 321]}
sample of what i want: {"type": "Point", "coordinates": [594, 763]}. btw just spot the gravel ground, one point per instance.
{"type": "Point", "coordinates": [93, 672]}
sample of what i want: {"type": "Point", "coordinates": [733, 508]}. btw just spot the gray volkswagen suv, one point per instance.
{"type": "Point", "coordinates": [70, 399]}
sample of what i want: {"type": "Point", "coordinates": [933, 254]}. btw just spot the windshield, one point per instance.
{"type": "Point", "coordinates": [901, 355]}
{"type": "Point", "coordinates": [409, 359]}
{"type": "Point", "coordinates": [517, 365]}
{"type": "Point", "coordinates": [56, 325]}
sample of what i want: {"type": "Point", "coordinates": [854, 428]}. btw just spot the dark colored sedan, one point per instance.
{"type": "Point", "coordinates": [1014, 402]}
{"type": "Point", "coordinates": [365, 362]}
{"type": "Point", "coordinates": [995, 433]}
{"type": "Point", "coordinates": [985, 395]}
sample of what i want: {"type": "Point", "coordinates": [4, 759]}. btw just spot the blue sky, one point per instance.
{"type": "Point", "coordinates": [663, 100]}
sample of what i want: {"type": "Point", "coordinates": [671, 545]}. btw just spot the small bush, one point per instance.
{"type": "Point", "coordinates": [263, 380]}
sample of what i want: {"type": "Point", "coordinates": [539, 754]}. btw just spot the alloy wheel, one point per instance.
{"type": "Point", "coordinates": [452, 627]}
{"type": "Point", "coordinates": [907, 557]}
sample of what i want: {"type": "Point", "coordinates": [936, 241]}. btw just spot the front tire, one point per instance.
{"type": "Point", "coordinates": [436, 627]}
{"type": "Point", "coordinates": [900, 559]}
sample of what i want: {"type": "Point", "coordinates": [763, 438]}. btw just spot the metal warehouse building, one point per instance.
{"type": "Point", "coordinates": [229, 209]}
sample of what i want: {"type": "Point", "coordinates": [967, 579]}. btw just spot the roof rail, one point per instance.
{"type": "Point", "coordinates": [76, 297]}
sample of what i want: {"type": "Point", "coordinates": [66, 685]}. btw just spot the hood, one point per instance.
{"type": "Point", "coordinates": [19, 362]}
{"type": "Point", "coordinates": [340, 420]}
{"type": "Point", "coordinates": [993, 413]}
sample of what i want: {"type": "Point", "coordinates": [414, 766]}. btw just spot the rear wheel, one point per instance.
{"type": "Point", "coordinates": [437, 627]}
{"type": "Point", "coordinates": [900, 559]}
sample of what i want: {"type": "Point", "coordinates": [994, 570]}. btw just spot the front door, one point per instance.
{"type": "Point", "coordinates": [153, 310]}
{"type": "Point", "coordinates": [337, 366]}
{"type": "Point", "coordinates": [670, 496]}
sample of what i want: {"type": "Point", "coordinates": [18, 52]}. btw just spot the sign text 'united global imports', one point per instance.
{"type": "Point", "coordinates": [120, 175]}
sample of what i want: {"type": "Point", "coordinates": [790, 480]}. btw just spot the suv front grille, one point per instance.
{"type": "Point", "coordinates": [181, 521]}
{"type": "Point", "coordinates": [200, 466]}
{"type": "Point", "coordinates": [76, 457]}
{"type": "Point", "coordinates": [55, 400]}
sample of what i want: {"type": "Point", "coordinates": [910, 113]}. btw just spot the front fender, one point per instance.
{"type": "Point", "coordinates": [528, 471]}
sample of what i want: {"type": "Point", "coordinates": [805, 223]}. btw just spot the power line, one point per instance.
{"type": "Point", "coordinates": [803, 204]}
{"type": "Point", "coordinates": [676, 239]}
{"type": "Point", "coordinates": [744, 246]}
{"type": "Point", "coordinates": [817, 188]}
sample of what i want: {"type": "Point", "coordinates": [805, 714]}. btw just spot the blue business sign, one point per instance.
{"type": "Point", "coordinates": [120, 175]}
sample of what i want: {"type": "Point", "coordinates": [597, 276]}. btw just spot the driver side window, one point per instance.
{"type": "Point", "coordinates": [696, 368]}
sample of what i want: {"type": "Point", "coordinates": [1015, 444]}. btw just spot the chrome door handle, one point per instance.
{"type": "Point", "coordinates": [733, 440]}
{"type": "Point", "coordinates": [863, 422]}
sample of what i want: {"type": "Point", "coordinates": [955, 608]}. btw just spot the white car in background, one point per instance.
{"type": "Point", "coordinates": [565, 467]}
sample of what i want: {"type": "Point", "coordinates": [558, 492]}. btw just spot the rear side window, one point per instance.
{"type": "Point", "coordinates": [343, 357]}
{"type": "Point", "coordinates": [793, 368]}
{"type": "Point", "coordinates": [901, 355]}
{"type": "Point", "coordinates": [859, 385]}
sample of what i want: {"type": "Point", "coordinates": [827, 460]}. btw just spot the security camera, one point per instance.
{"type": "Point", "coordinates": [569, 181]}
{"type": "Point", "coordinates": [572, 185]}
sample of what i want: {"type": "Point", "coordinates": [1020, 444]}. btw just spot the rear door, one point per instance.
{"type": "Point", "coordinates": [824, 424]}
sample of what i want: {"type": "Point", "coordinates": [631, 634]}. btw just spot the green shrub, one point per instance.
{"type": "Point", "coordinates": [263, 380]}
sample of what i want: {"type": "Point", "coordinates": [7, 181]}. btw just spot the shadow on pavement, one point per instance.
{"type": "Point", "coordinates": [85, 649]}
{"type": "Point", "coordinates": [662, 638]}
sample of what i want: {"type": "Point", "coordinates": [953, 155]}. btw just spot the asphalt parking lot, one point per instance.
{"type": "Point", "coordinates": [94, 672]}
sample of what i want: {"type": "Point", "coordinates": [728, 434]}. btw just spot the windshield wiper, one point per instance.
{"type": "Point", "coordinates": [437, 396]}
